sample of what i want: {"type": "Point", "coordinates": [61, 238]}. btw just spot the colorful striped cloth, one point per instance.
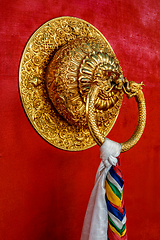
{"type": "Point", "coordinates": [115, 205]}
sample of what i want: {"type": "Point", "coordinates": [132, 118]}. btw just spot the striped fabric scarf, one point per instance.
{"type": "Point", "coordinates": [105, 217]}
{"type": "Point", "coordinates": [115, 205]}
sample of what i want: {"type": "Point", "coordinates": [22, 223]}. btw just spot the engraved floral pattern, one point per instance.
{"type": "Point", "coordinates": [35, 59]}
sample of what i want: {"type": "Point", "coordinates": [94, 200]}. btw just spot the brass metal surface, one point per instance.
{"type": "Point", "coordinates": [131, 89]}
{"type": "Point", "coordinates": [61, 62]}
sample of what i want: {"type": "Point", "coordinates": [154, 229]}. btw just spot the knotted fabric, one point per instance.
{"type": "Point", "coordinates": [96, 219]}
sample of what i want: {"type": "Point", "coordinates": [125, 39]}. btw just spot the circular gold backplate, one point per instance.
{"type": "Point", "coordinates": [45, 41]}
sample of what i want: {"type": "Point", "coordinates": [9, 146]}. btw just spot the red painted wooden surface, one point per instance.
{"type": "Point", "coordinates": [44, 190]}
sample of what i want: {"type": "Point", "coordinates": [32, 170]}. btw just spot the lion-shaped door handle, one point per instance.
{"type": "Point", "coordinates": [72, 85]}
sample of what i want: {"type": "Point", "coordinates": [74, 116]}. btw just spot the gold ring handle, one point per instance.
{"type": "Point", "coordinates": [90, 112]}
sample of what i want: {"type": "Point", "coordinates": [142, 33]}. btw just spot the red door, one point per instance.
{"type": "Point", "coordinates": [44, 190]}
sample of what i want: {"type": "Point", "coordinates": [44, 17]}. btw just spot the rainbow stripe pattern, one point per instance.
{"type": "Point", "coordinates": [115, 205]}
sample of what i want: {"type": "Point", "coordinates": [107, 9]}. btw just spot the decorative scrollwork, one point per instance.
{"type": "Point", "coordinates": [73, 70]}
{"type": "Point", "coordinates": [41, 47]}
{"type": "Point", "coordinates": [67, 65]}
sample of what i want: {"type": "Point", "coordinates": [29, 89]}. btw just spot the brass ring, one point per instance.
{"type": "Point", "coordinates": [98, 137]}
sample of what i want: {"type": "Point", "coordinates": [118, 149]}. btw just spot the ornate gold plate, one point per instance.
{"type": "Point", "coordinates": [37, 54]}
{"type": "Point", "coordinates": [72, 86]}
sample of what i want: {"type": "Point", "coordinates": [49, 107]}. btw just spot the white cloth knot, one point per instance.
{"type": "Point", "coordinates": [109, 152]}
